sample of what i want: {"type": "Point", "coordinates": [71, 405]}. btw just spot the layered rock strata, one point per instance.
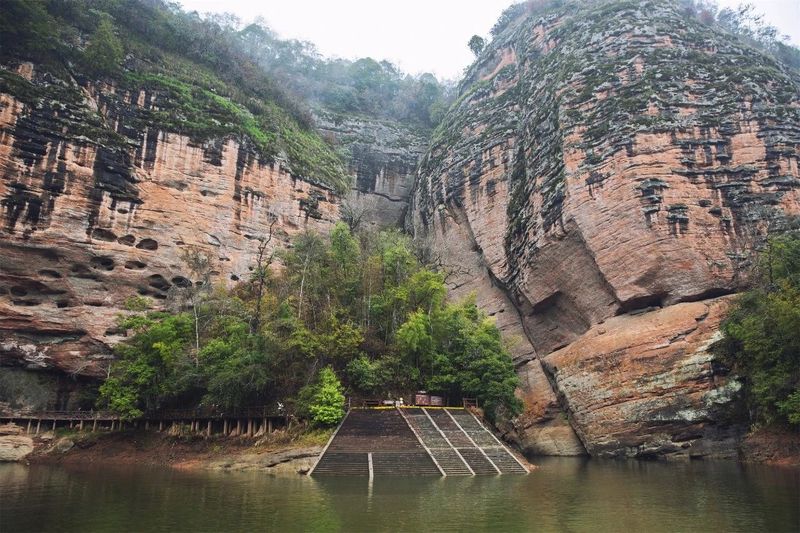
{"type": "Point", "coordinates": [603, 159]}
{"type": "Point", "coordinates": [382, 157]}
{"type": "Point", "coordinates": [94, 212]}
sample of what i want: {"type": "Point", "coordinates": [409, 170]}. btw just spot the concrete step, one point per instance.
{"type": "Point", "coordinates": [500, 455]}
{"type": "Point", "coordinates": [453, 433]}
{"type": "Point", "coordinates": [450, 462]}
{"type": "Point", "coordinates": [401, 463]}
{"type": "Point", "coordinates": [477, 461]}
{"type": "Point", "coordinates": [342, 464]}
{"type": "Point", "coordinates": [504, 461]}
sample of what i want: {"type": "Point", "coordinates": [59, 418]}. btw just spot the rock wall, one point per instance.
{"type": "Point", "coordinates": [647, 384]}
{"type": "Point", "coordinates": [382, 156]}
{"type": "Point", "coordinates": [87, 223]}
{"type": "Point", "coordinates": [604, 159]}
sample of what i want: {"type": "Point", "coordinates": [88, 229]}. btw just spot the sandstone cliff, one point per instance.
{"type": "Point", "coordinates": [87, 225]}
{"type": "Point", "coordinates": [600, 184]}
{"type": "Point", "coordinates": [99, 199]}
{"type": "Point", "coordinates": [601, 162]}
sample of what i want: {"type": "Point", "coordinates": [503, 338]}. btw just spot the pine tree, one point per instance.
{"type": "Point", "coordinates": [104, 53]}
{"type": "Point", "coordinates": [327, 406]}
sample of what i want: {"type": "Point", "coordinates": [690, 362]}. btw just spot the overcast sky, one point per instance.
{"type": "Point", "coordinates": [418, 35]}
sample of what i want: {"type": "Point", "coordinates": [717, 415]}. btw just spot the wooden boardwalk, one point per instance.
{"type": "Point", "coordinates": [249, 422]}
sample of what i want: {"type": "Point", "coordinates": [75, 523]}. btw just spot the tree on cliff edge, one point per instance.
{"type": "Point", "coordinates": [104, 52]}
{"type": "Point", "coordinates": [476, 44]}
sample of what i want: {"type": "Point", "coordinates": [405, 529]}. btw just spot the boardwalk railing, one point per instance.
{"type": "Point", "coordinates": [167, 414]}
{"type": "Point", "coordinates": [59, 415]}
{"type": "Point", "coordinates": [264, 411]}
{"type": "Point", "coordinates": [248, 421]}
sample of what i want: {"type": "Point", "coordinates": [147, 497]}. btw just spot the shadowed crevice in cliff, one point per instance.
{"type": "Point", "coordinates": [45, 390]}
{"type": "Point", "coordinates": [708, 294]}
{"type": "Point", "coordinates": [563, 293]}
{"type": "Point", "coordinates": [35, 347]}
{"type": "Point", "coordinates": [21, 203]}
{"type": "Point", "coordinates": [243, 159]}
{"type": "Point", "coordinates": [564, 404]}
{"type": "Point", "coordinates": [546, 427]}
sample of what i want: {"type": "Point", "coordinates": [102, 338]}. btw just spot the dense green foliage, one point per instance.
{"type": "Point", "coordinates": [149, 365]}
{"type": "Point", "coordinates": [762, 334]}
{"type": "Point", "coordinates": [25, 28]}
{"type": "Point", "coordinates": [325, 401]}
{"type": "Point", "coordinates": [361, 307]}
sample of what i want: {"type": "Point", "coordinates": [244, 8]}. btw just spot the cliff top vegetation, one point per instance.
{"type": "Point", "coordinates": [211, 77]}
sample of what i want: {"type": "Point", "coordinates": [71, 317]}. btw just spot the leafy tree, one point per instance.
{"type": "Point", "coordinates": [103, 55]}
{"type": "Point", "coordinates": [237, 365]}
{"type": "Point", "coordinates": [146, 374]}
{"type": "Point", "coordinates": [190, 292]}
{"type": "Point", "coordinates": [415, 340]}
{"type": "Point", "coordinates": [762, 334]}
{"type": "Point", "coordinates": [476, 44]}
{"type": "Point", "coordinates": [366, 376]}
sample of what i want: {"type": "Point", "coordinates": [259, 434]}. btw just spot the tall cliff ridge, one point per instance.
{"type": "Point", "coordinates": [601, 184]}
{"type": "Point", "coordinates": [99, 198]}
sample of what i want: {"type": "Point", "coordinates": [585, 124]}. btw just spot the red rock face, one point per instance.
{"type": "Point", "coordinates": [602, 161]}
{"type": "Point", "coordinates": [646, 384]}
{"type": "Point", "coordinates": [82, 231]}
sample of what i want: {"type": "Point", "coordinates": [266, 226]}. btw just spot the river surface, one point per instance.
{"type": "Point", "coordinates": [562, 495]}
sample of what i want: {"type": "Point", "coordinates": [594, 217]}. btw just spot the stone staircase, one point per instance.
{"type": "Point", "coordinates": [472, 454]}
{"type": "Point", "coordinates": [373, 442]}
{"type": "Point", "coordinates": [494, 450]}
{"type": "Point", "coordinates": [448, 459]}
{"type": "Point", "coordinates": [414, 442]}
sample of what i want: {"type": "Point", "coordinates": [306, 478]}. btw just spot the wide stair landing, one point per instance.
{"type": "Point", "coordinates": [412, 442]}
{"type": "Point", "coordinates": [375, 442]}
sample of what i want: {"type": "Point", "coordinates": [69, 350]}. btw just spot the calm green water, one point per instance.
{"type": "Point", "coordinates": [563, 495]}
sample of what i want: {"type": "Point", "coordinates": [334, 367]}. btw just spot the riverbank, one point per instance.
{"type": "Point", "coordinates": [771, 446]}
{"type": "Point", "coordinates": [280, 453]}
